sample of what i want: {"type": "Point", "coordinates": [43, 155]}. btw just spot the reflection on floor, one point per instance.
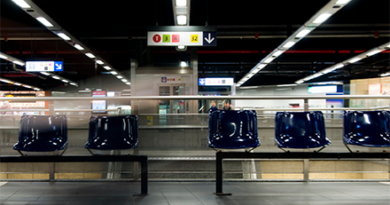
{"type": "Point", "coordinates": [64, 193]}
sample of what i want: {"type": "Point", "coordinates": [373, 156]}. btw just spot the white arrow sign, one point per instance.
{"type": "Point", "coordinates": [58, 66]}
{"type": "Point", "coordinates": [209, 40]}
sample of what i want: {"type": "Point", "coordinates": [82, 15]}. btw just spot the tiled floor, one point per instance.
{"type": "Point", "coordinates": [183, 193]}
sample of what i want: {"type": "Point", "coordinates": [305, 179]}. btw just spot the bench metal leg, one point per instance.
{"type": "Point", "coordinates": [219, 178]}
{"type": "Point", "coordinates": [90, 151]}
{"type": "Point", "coordinates": [144, 178]}
{"type": "Point", "coordinates": [20, 153]}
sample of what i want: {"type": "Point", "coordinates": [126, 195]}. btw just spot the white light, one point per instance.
{"type": "Point", "coordinates": [268, 60]}
{"type": "Point", "coordinates": [342, 2]}
{"type": "Point", "coordinates": [99, 62]}
{"type": "Point", "coordinates": [6, 81]}
{"type": "Point", "coordinates": [113, 72]}
{"type": "Point", "coordinates": [322, 18]}
{"type": "Point", "coordinates": [181, 47]}
{"type": "Point", "coordinates": [78, 47]}
{"type": "Point", "coordinates": [36, 88]}
{"type": "Point", "coordinates": [3, 57]}
{"type": "Point", "coordinates": [261, 66]}
{"type": "Point", "coordinates": [374, 52]}
{"type": "Point", "coordinates": [19, 63]}
{"type": "Point", "coordinates": [90, 55]}
{"type": "Point", "coordinates": [127, 83]}
{"type": "Point", "coordinates": [286, 85]}
{"type": "Point", "coordinates": [107, 67]}
{"type": "Point", "coordinates": [181, 2]}
{"type": "Point", "coordinates": [323, 89]}
{"type": "Point", "coordinates": [289, 44]}
{"type": "Point", "coordinates": [277, 53]}
{"type": "Point", "coordinates": [56, 77]}
{"type": "Point", "coordinates": [326, 71]}
{"type": "Point", "coordinates": [181, 20]}
{"type": "Point", "coordinates": [65, 81]}
{"type": "Point", "coordinates": [17, 84]}
{"type": "Point", "coordinates": [73, 84]}
{"type": "Point", "coordinates": [26, 86]}
{"type": "Point", "coordinates": [119, 76]}
{"type": "Point", "coordinates": [44, 22]}
{"type": "Point", "coordinates": [354, 60]}
{"type": "Point", "coordinates": [22, 4]}
{"type": "Point", "coordinates": [63, 36]}
{"type": "Point", "coordinates": [340, 65]}
{"type": "Point", "coordinates": [385, 74]}
{"type": "Point", "coordinates": [124, 80]}
{"type": "Point", "coordinates": [183, 64]}
{"type": "Point", "coordinates": [44, 73]}
{"type": "Point", "coordinates": [303, 33]}
{"type": "Point", "coordinates": [388, 45]}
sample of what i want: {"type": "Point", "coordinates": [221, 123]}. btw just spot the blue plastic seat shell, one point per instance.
{"type": "Point", "coordinates": [367, 128]}
{"type": "Point", "coordinates": [300, 130]}
{"type": "Point", "coordinates": [231, 129]}
{"type": "Point", "coordinates": [42, 133]}
{"type": "Point", "coordinates": [113, 132]}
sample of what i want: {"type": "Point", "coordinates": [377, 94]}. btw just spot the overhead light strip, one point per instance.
{"type": "Point", "coordinates": [321, 16]}
{"type": "Point", "coordinates": [352, 60]}
{"type": "Point", "coordinates": [12, 82]}
{"type": "Point", "coordinates": [34, 11]}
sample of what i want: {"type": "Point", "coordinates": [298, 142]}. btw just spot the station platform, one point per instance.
{"type": "Point", "coordinates": [182, 193]}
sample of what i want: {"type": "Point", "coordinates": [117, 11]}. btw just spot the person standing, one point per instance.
{"type": "Point", "coordinates": [213, 107]}
{"type": "Point", "coordinates": [227, 105]}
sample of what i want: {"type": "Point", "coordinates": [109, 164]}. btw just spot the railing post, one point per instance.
{"type": "Point", "coordinates": [306, 105]}
{"type": "Point", "coordinates": [306, 167]}
{"type": "Point", "coordinates": [51, 171]}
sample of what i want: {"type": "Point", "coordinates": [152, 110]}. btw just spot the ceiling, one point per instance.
{"type": "Point", "coordinates": [116, 31]}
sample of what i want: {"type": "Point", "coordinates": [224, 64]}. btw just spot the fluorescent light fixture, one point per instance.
{"type": "Point", "coordinates": [78, 47]}
{"type": "Point", "coordinates": [73, 84]}
{"type": "Point", "coordinates": [63, 36]}
{"type": "Point", "coordinates": [99, 62]}
{"type": "Point", "coordinates": [181, 20]}
{"type": "Point", "coordinates": [90, 55]}
{"type": "Point", "coordinates": [181, 2]}
{"type": "Point", "coordinates": [299, 81]}
{"type": "Point", "coordinates": [374, 52]}
{"type": "Point", "coordinates": [268, 60]}
{"type": "Point", "coordinates": [44, 21]}
{"type": "Point", "coordinates": [385, 74]}
{"type": "Point", "coordinates": [17, 84]}
{"type": "Point", "coordinates": [261, 66]}
{"type": "Point", "coordinates": [22, 4]}
{"type": "Point", "coordinates": [19, 63]}
{"type": "Point", "coordinates": [124, 80]}
{"type": "Point", "coordinates": [3, 57]}
{"type": "Point", "coordinates": [388, 45]}
{"type": "Point", "coordinates": [289, 44]}
{"type": "Point", "coordinates": [354, 60]}
{"type": "Point", "coordinates": [65, 81]}
{"type": "Point", "coordinates": [36, 88]}
{"type": "Point", "coordinates": [340, 65]}
{"type": "Point", "coordinates": [113, 72]}
{"type": "Point", "coordinates": [56, 77]}
{"type": "Point", "coordinates": [303, 33]}
{"type": "Point", "coordinates": [44, 73]}
{"type": "Point", "coordinates": [183, 64]}
{"type": "Point", "coordinates": [286, 85]}
{"type": "Point", "coordinates": [342, 2]}
{"type": "Point", "coordinates": [277, 53]}
{"type": "Point", "coordinates": [26, 86]}
{"type": "Point", "coordinates": [181, 47]}
{"type": "Point", "coordinates": [127, 83]}
{"type": "Point", "coordinates": [107, 67]}
{"type": "Point", "coordinates": [6, 81]}
{"type": "Point", "coordinates": [326, 71]}
{"type": "Point", "coordinates": [119, 76]}
{"type": "Point", "coordinates": [322, 18]}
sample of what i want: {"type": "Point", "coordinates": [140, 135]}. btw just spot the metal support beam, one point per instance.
{"type": "Point", "coordinates": [306, 168]}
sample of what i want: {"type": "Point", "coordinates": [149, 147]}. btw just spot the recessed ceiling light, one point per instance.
{"type": "Point", "coordinates": [3, 57]}
{"type": "Point", "coordinates": [63, 36]}
{"type": "Point", "coordinates": [113, 72]}
{"type": "Point", "coordinates": [90, 55]}
{"type": "Point", "coordinates": [289, 44]}
{"type": "Point", "coordinates": [78, 47]}
{"type": "Point", "coordinates": [322, 18]}
{"type": "Point", "coordinates": [181, 20]}
{"type": "Point", "coordinates": [44, 21]}
{"type": "Point", "coordinates": [303, 33]}
{"type": "Point", "coordinates": [22, 4]}
{"type": "Point", "coordinates": [181, 2]}
{"type": "Point", "coordinates": [107, 67]}
{"type": "Point", "coordinates": [99, 62]}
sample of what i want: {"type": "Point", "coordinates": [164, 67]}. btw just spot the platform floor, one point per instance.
{"type": "Point", "coordinates": [183, 193]}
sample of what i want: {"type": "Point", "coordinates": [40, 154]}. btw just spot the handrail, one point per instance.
{"type": "Point", "coordinates": [195, 97]}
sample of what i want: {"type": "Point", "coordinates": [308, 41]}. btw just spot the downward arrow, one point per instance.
{"type": "Point", "coordinates": [209, 40]}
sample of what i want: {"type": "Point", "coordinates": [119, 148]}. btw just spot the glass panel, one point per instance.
{"type": "Point", "coordinates": [163, 105]}
{"type": "Point", "coordinates": [178, 105]}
